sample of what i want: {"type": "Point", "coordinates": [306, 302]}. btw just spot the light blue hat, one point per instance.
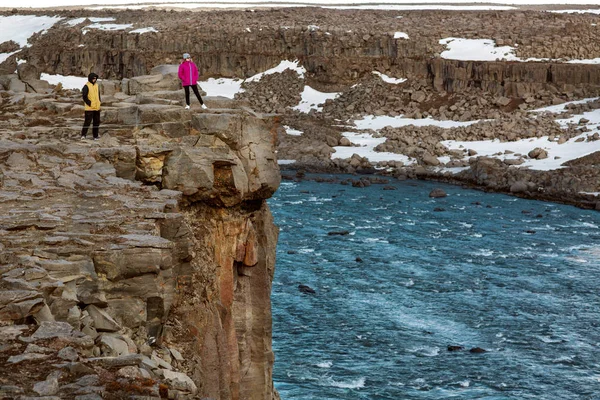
{"type": "Point", "coordinates": [186, 56]}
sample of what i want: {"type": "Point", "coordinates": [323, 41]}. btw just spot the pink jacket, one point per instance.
{"type": "Point", "coordinates": [188, 73]}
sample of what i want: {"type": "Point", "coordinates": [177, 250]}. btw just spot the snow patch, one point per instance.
{"type": "Point", "coordinates": [388, 79]}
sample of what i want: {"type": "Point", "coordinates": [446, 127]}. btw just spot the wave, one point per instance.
{"type": "Point", "coordinates": [354, 384]}
{"type": "Point", "coordinates": [426, 351]}
{"type": "Point", "coordinates": [326, 364]}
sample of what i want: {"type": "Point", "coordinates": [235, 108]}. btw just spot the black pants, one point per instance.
{"type": "Point", "coordinates": [187, 94]}
{"type": "Point", "coordinates": [89, 117]}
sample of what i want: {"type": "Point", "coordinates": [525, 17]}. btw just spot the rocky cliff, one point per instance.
{"type": "Point", "coordinates": [335, 46]}
{"type": "Point", "coordinates": [140, 264]}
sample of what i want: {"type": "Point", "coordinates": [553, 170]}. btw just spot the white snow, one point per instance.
{"type": "Point", "coordinates": [400, 35]}
{"type": "Point", "coordinates": [311, 99]}
{"type": "Point", "coordinates": [395, 7]}
{"type": "Point", "coordinates": [77, 21]}
{"type": "Point", "coordinates": [379, 122]}
{"type": "Point", "coordinates": [566, 151]}
{"type": "Point", "coordinates": [486, 50]}
{"type": "Point", "coordinates": [389, 79]}
{"type": "Point", "coordinates": [367, 143]}
{"type": "Point", "coordinates": [285, 64]}
{"type": "Point", "coordinates": [225, 87]}
{"type": "Point", "coordinates": [107, 27]}
{"type": "Point", "coordinates": [588, 11]}
{"type": "Point", "coordinates": [476, 50]}
{"type": "Point", "coordinates": [585, 61]}
{"type": "Point", "coordinates": [143, 30]}
{"type": "Point", "coordinates": [592, 116]}
{"type": "Point", "coordinates": [228, 87]}
{"type": "Point", "coordinates": [293, 132]}
{"type": "Point", "coordinates": [68, 82]}
{"type": "Point", "coordinates": [19, 28]}
{"type": "Point", "coordinates": [4, 56]}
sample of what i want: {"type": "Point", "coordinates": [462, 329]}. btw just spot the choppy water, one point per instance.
{"type": "Point", "coordinates": [468, 276]}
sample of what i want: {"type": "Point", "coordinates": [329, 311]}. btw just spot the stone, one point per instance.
{"type": "Point", "coordinates": [48, 387]}
{"type": "Point", "coordinates": [68, 353]}
{"type": "Point", "coordinates": [11, 332]}
{"type": "Point", "coordinates": [130, 372]}
{"type": "Point", "coordinates": [477, 350]}
{"type": "Point", "coordinates": [519, 187]}
{"type": "Point", "coordinates": [429, 159]}
{"type": "Point", "coordinates": [538, 153]}
{"type": "Point", "coordinates": [120, 361]}
{"type": "Point", "coordinates": [306, 289]}
{"type": "Point", "coordinates": [112, 346]}
{"type": "Point", "coordinates": [438, 193]}
{"type": "Point", "coordinates": [102, 321]}
{"type": "Point", "coordinates": [344, 141]}
{"type": "Point", "coordinates": [176, 354]}
{"type": "Point", "coordinates": [49, 330]}
{"type": "Point", "coordinates": [27, 357]}
{"type": "Point", "coordinates": [180, 381]}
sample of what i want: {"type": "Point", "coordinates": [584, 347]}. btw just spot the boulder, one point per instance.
{"type": "Point", "coordinates": [102, 321]}
{"type": "Point", "coordinates": [538, 153]}
{"type": "Point", "coordinates": [429, 159]}
{"type": "Point", "coordinates": [437, 193]}
{"type": "Point", "coordinates": [180, 381]}
{"type": "Point", "coordinates": [147, 83]}
{"type": "Point", "coordinates": [519, 187]}
{"type": "Point", "coordinates": [112, 346]}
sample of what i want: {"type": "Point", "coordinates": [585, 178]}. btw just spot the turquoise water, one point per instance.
{"type": "Point", "coordinates": [517, 278]}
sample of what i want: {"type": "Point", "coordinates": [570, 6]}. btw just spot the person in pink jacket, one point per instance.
{"type": "Point", "coordinates": [188, 74]}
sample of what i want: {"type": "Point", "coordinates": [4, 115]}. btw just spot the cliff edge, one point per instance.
{"type": "Point", "coordinates": [139, 265]}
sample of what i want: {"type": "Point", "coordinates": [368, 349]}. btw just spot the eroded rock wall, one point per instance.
{"type": "Point", "coordinates": [149, 254]}
{"type": "Point", "coordinates": [335, 46]}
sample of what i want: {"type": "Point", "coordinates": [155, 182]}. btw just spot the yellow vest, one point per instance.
{"type": "Point", "coordinates": [94, 97]}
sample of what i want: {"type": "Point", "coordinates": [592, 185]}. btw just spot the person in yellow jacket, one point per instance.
{"type": "Point", "coordinates": [91, 99]}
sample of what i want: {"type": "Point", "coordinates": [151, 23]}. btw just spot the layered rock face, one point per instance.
{"type": "Point", "coordinates": [141, 264]}
{"type": "Point", "coordinates": [335, 46]}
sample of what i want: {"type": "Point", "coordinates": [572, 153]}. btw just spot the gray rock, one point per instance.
{"type": "Point", "coordinates": [176, 354]}
{"type": "Point", "coordinates": [113, 347]}
{"type": "Point", "coordinates": [130, 372]}
{"type": "Point", "coordinates": [121, 361]}
{"type": "Point", "coordinates": [102, 321]}
{"type": "Point", "coordinates": [180, 381]}
{"type": "Point", "coordinates": [48, 330]}
{"type": "Point", "coordinates": [11, 332]}
{"type": "Point", "coordinates": [519, 187]}
{"type": "Point", "coordinates": [68, 353]}
{"type": "Point", "coordinates": [48, 387]}
{"type": "Point", "coordinates": [27, 357]}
